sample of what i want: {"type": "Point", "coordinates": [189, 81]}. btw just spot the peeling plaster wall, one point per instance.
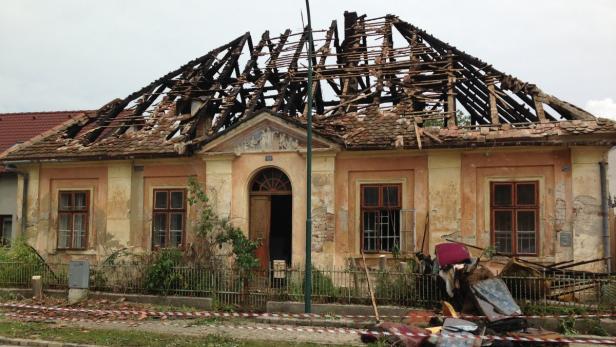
{"type": "Point", "coordinates": [218, 173]}
{"type": "Point", "coordinates": [163, 174]}
{"type": "Point", "coordinates": [120, 202]}
{"type": "Point", "coordinates": [550, 167]}
{"type": "Point", "coordinates": [324, 211]}
{"type": "Point", "coordinates": [452, 184]}
{"type": "Point", "coordinates": [119, 186]}
{"type": "Point", "coordinates": [445, 199]}
{"type": "Point", "coordinates": [45, 181]}
{"type": "Point", "coordinates": [353, 169]}
{"type": "Point", "coordinates": [587, 222]}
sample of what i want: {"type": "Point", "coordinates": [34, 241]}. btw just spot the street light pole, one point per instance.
{"type": "Point", "coordinates": [308, 269]}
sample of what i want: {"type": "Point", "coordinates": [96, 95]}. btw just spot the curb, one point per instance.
{"type": "Point", "coordinates": [40, 343]}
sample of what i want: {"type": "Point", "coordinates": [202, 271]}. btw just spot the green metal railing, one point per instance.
{"type": "Point", "coordinates": [229, 287]}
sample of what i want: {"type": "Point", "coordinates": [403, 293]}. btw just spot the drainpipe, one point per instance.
{"type": "Point", "coordinates": [604, 214]}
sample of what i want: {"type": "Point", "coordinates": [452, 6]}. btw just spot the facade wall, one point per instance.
{"type": "Point", "coordinates": [449, 191]}
{"type": "Point", "coordinates": [551, 168]}
{"type": "Point", "coordinates": [293, 164]}
{"type": "Point", "coordinates": [120, 213]}
{"type": "Point", "coordinates": [354, 169]}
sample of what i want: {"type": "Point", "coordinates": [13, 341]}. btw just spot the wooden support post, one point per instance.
{"type": "Point", "coordinates": [492, 100]}
{"type": "Point", "coordinates": [538, 102]}
{"type": "Point", "coordinates": [372, 297]}
{"type": "Point", "coordinates": [451, 119]}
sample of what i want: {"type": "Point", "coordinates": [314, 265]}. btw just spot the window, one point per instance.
{"type": "Point", "coordinates": [515, 213]}
{"type": "Point", "coordinates": [168, 218]}
{"type": "Point", "coordinates": [6, 229]}
{"type": "Point", "coordinates": [73, 211]}
{"type": "Point", "coordinates": [380, 217]}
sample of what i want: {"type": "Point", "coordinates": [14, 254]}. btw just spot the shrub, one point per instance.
{"type": "Point", "coordinates": [160, 274]}
{"type": "Point", "coordinates": [21, 262]}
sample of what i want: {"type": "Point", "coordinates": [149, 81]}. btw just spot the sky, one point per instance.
{"type": "Point", "coordinates": [78, 54]}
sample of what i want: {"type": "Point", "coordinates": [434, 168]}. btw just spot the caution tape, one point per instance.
{"type": "Point", "coordinates": [323, 330]}
{"type": "Point", "coordinates": [215, 314]}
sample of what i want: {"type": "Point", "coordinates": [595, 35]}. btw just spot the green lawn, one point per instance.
{"type": "Point", "coordinates": [103, 337]}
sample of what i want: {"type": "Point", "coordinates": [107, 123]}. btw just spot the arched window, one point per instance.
{"type": "Point", "coordinates": [271, 181]}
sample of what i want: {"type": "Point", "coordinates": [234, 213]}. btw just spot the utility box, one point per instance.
{"type": "Point", "coordinates": [79, 274]}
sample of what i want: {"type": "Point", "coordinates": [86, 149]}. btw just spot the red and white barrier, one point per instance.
{"type": "Point", "coordinates": [607, 341]}
{"type": "Point", "coordinates": [205, 314]}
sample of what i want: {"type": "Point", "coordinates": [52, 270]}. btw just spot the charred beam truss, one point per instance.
{"type": "Point", "coordinates": [381, 64]}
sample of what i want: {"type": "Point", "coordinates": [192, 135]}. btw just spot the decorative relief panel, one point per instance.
{"type": "Point", "coordinates": [267, 139]}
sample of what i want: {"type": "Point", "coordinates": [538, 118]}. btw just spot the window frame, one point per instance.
{"type": "Point", "coordinates": [72, 212]}
{"type": "Point", "coordinates": [378, 208]}
{"type": "Point", "coordinates": [514, 208]}
{"type": "Point", "coordinates": [167, 212]}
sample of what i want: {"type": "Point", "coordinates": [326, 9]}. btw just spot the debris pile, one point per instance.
{"type": "Point", "coordinates": [475, 290]}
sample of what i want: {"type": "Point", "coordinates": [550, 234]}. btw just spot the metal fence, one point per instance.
{"type": "Point", "coordinates": [232, 288]}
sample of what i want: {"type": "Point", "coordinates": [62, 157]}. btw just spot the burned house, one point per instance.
{"type": "Point", "coordinates": [415, 141]}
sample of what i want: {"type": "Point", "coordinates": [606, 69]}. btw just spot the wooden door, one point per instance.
{"type": "Point", "coordinates": [260, 212]}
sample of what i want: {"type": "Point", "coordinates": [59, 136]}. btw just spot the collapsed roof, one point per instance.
{"type": "Point", "coordinates": [384, 84]}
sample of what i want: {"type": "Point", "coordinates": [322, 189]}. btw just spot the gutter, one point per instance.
{"type": "Point", "coordinates": [604, 214]}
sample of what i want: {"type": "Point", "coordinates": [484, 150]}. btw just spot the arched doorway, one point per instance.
{"type": "Point", "coordinates": [270, 215]}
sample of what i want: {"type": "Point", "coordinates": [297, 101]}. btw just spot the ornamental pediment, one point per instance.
{"type": "Point", "coordinates": [264, 133]}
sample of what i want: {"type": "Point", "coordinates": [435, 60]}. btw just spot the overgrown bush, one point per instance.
{"type": "Point", "coordinates": [160, 274]}
{"type": "Point", "coordinates": [18, 263]}
{"type": "Point", "coordinates": [323, 287]}
{"type": "Point", "coordinates": [19, 251]}
{"type": "Point", "coordinates": [397, 286]}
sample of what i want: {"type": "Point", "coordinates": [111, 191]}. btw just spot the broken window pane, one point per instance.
{"type": "Point", "coordinates": [159, 229]}
{"type": "Point", "coordinates": [160, 200]}
{"type": "Point", "coordinates": [64, 230]}
{"type": "Point", "coordinates": [80, 201]}
{"type": "Point", "coordinates": [525, 194]}
{"type": "Point", "coordinates": [390, 196]}
{"type": "Point", "coordinates": [65, 201]}
{"type": "Point", "coordinates": [503, 195]}
{"type": "Point", "coordinates": [370, 196]}
{"type": "Point", "coordinates": [177, 199]}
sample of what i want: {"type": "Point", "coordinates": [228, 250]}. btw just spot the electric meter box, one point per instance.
{"type": "Point", "coordinates": [79, 274]}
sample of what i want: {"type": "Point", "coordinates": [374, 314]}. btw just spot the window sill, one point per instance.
{"type": "Point", "coordinates": [75, 251]}
{"type": "Point", "coordinates": [379, 255]}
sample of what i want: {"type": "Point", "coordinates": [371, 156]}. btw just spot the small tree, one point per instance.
{"type": "Point", "coordinates": [214, 232]}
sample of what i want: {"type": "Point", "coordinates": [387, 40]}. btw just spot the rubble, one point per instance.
{"type": "Point", "coordinates": [474, 289]}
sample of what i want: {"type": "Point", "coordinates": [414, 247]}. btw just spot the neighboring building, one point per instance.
{"type": "Point", "coordinates": [412, 138]}
{"type": "Point", "coordinates": [15, 128]}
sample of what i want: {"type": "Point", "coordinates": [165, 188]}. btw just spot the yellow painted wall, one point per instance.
{"type": "Point", "coordinates": [452, 185]}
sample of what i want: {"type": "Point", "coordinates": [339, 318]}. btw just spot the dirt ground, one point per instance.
{"type": "Point", "coordinates": [189, 328]}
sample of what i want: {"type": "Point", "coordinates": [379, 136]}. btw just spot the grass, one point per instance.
{"type": "Point", "coordinates": [113, 338]}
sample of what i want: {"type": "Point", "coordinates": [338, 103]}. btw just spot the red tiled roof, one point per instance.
{"type": "Point", "coordinates": [20, 127]}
